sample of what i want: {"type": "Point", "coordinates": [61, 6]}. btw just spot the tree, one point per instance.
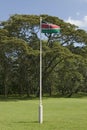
{"type": "Point", "coordinates": [19, 57]}
{"type": "Point", "coordinates": [70, 79]}
{"type": "Point", "coordinates": [14, 53]}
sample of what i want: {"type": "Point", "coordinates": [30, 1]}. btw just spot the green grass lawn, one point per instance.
{"type": "Point", "coordinates": [59, 114]}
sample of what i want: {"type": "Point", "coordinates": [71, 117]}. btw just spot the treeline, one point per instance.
{"type": "Point", "coordinates": [64, 57]}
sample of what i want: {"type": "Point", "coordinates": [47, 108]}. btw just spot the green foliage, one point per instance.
{"type": "Point", "coordinates": [64, 64]}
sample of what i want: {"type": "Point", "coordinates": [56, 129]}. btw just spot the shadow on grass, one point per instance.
{"type": "Point", "coordinates": [26, 122]}
{"type": "Point", "coordinates": [16, 98]}
{"type": "Point", "coordinates": [77, 95]}
{"type": "Point", "coordinates": [29, 122]}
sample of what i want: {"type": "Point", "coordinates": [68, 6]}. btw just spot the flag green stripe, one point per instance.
{"type": "Point", "coordinates": [51, 30]}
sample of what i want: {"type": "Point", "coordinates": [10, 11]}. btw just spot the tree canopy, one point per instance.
{"type": "Point", "coordinates": [64, 57]}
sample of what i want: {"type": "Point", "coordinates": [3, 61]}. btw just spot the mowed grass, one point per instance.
{"type": "Point", "coordinates": [59, 114]}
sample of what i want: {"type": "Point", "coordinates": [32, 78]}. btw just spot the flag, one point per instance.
{"type": "Point", "coordinates": [49, 28]}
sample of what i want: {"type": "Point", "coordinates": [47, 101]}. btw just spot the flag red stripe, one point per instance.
{"type": "Point", "coordinates": [49, 26]}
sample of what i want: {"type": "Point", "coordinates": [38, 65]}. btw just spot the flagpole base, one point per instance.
{"type": "Point", "coordinates": [40, 113]}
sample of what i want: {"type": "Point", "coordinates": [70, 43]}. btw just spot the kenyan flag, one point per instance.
{"type": "Point", "coordinates": [49, 28]}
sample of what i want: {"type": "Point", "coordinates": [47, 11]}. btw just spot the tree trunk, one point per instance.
{"type": "Point", "coordinates": [5, 90]}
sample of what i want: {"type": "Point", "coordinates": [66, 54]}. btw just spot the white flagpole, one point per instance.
{"type": "Point", "coordinates": [40, 104]}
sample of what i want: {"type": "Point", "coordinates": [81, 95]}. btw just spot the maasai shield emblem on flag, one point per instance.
{"type": "Point", "coordinates": [49, 28]}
